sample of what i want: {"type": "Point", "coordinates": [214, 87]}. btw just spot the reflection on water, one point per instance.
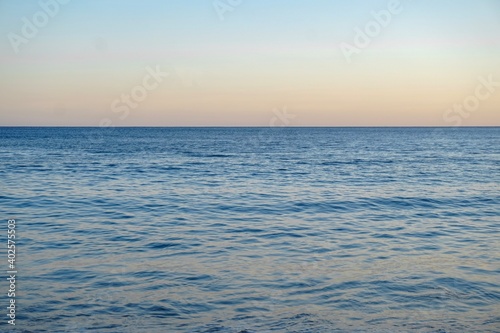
{"type": "Point", "coordinates": [255, 230]}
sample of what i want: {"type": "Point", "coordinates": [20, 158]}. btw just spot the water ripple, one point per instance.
{"type": "Point", "coordinates": [255, 230]}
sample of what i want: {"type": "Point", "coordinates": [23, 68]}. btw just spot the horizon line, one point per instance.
{"type": "Point", "coordinates": [232, 126]}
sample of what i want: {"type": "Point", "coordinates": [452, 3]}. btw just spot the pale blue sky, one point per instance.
{"type": "Point", "coordinates": [262, 55]}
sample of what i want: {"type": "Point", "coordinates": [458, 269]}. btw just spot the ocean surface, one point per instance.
{"type": "Point", "coordinates": [253, 230]}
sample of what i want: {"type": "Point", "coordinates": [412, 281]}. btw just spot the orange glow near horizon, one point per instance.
{"type": "Point", "coordinates": [236, 72]}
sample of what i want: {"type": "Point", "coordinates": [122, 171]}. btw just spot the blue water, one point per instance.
{"type": "Point", "coordinates": [254, 230]}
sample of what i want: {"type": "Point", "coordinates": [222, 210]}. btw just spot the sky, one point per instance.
{"type": "Point", "coordinates": [249, 63]}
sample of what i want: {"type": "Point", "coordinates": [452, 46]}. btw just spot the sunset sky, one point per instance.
{"type": "Point", "coordinates": [237, 65]}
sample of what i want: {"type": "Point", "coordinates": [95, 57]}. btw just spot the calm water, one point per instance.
{"type": "Point", "coordinates": [254, 230]}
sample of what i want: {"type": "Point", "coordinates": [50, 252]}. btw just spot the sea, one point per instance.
{"type": "Point", "coordinates": [252, 230]}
